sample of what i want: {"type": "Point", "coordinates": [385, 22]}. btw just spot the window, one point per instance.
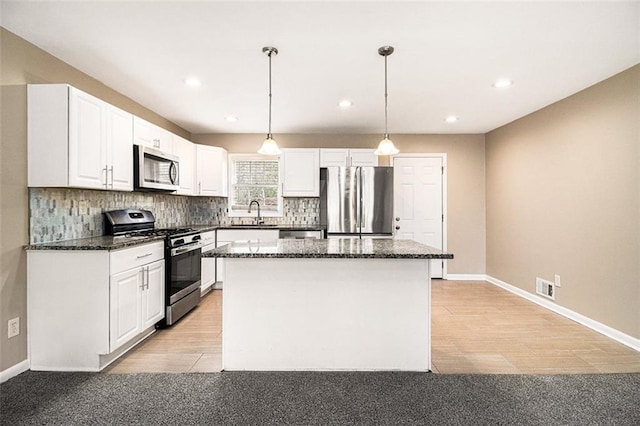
{"type": "Point", "coordinates": [254, 177]}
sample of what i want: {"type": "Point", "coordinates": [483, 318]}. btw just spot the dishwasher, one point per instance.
{"type": "Point", "coordinates": [300, 234]}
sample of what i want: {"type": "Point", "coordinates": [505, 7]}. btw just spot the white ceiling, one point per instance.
{"type": "Point", "coordinates": [447, 56]}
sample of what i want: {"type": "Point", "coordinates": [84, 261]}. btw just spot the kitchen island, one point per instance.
{"type": "Point", "coordinates": [327, 304]}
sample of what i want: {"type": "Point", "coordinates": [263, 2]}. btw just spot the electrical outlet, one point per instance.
{"type": "Point", "coordinates": [556, 279]}
{"type": "Point", "coordinates": [14, 327]}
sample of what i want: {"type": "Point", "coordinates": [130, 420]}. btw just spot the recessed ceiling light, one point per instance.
{"type": "Point", "coordinates": [451, 119]}
{"type": "Point", "coordinates": [345, 103]}
{"type": "Point", "coordinates": [503, 82]}
{"type": "Point", "coordinates": [231, 118]}
{"type": "Point", "coordinates": [192, 82]}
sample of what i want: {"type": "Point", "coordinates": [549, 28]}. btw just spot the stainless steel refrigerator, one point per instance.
{"type": "Point", "coordinates": [357, 201]}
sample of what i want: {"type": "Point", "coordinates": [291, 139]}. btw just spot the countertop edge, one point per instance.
{"type": "Point", "coordinates": [446, 256]}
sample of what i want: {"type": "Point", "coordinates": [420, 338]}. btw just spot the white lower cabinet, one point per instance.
{"type": "Point", "coordinates": [208, 263]}
{"type": "Point", "coordinates": [87, 307]}
{"type": "Point", "coordinates": [137, 302]}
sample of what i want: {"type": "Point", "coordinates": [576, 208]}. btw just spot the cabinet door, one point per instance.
{"type": "Point", "coordinates": [363, 157]}
{"type": "Point", "coordinates": [87, 145]}
{"type": "Point", "coordinates": [220, 265]}
{"type": "Point", "coordinates": [125, 297]}
{"type": "Point", "coordinates": [330, 157]}
{"type": "Point", "coordinates": [300, 172]}
{"type": "Point", "coordinates": [211, 170]}
{"type": "Point", "coordinates": [148, 134]}
{"type": "Point", "coordinates": [186, 152]}
{"type": "Point", "coordinates": [208, 263]}
{"type": "Point", "coordinates": [119, 149]}
{"type": "Point", "coordinates": [153, 294]}
{"type": "Point", "coordinates": [208, 268]}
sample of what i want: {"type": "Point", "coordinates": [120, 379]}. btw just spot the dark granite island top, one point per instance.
{"type": "Point", "coordinates": [336, 248]}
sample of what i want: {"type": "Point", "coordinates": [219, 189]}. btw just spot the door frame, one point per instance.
{"type": "Point", "coordinates": [443, 157]}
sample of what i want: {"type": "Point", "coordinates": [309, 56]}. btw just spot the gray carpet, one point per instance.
{"type": "Point", "coordinates": [305, 398]}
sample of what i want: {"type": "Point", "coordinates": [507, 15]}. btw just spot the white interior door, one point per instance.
{"type": "Point", "coordinates": [418, 202]}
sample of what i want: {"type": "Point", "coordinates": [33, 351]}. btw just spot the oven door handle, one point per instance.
{"type": "Point", "coordinates": [181, 250]}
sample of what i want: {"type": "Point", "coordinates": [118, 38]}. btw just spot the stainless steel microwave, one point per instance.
{"type": "Point", "coordinates": [155, 170]}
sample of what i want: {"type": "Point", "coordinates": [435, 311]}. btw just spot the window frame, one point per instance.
{"type": "Point", "coordinates": [244, 213]}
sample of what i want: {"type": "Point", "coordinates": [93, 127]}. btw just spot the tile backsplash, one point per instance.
{"type": "Point", "coordinates": [57, 214]}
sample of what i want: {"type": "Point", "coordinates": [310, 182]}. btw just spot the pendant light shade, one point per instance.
{"type": "Point", "coordinates": [269, 146]}
{"type": "Point", "coordinates": [386, 146]}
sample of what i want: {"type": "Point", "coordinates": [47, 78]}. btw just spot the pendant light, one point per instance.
{"type": "Point", "coordinates": [269, 146]}
{"type": "Point", "coordinates": [386, 146]}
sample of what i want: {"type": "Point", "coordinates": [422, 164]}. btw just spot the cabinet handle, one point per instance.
{"type": "Point", "coordinates": [111, 171]}
{"type": "Point", "coordinates": [200, 188]}
{"type": "Point", "coordinates": [142, 284]}
{"type": "Point", "coordinates": [147, 277]}
{"type": "Point", "coordinates": [106, 177]}
{"type": "Point", "coordinates": [144, 255]}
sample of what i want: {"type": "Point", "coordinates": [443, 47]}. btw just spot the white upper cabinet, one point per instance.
{"type": "Point", "coordinates": [77, 140]}
{"type": "Point", "coordinates": [119, 149]}
{"type": "Point", "coordinates": [211, 171]}
{"type": "Point", "coordinates": [363, 157]}
{"type": "Point", "coordinates": [186, 152]}
{"type": "Point", "coordinates": [300, 172]}
{"type": "Point", "coordinates": [152, 136]}
{"type": "Point", "coordinates": [338, 157]}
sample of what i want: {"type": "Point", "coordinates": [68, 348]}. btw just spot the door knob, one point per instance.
{"type": "Point", "coordinates": [397, 219]}
{"type": "Point", "coordinates": [397, 227]}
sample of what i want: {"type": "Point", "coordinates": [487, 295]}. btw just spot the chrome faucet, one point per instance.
{"type": "Point", "coordinates": [259, 220]}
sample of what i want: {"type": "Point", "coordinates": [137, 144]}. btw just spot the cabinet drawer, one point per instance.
{"type": "Point", "coordinates": [208, 237]}
{"type": "Point", "coordinates": [121, 260]}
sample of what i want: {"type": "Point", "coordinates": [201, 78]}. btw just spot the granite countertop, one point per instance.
{"type": "Point", "coordinates": [114, 243]}
{"type": "Point", "coordinates": [290, 227]}
{"type": "Point", "coordinates": [95, 243]}
{"type": "Point", "coordinates": [337, 248]}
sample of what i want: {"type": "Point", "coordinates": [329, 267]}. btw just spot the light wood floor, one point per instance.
{"type": "Point", "coordinates": [476, 328]}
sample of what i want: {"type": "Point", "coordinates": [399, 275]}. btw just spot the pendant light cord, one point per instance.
{"type": "Point", "coordinates": [269, 135]}
{"type": "Point", "coordinates": [386, 95]}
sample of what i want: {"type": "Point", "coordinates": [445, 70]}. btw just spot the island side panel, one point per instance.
{"type": "Point", "coordinates": [326, 314]}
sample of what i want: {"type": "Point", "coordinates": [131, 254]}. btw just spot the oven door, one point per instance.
{"type": "Point", "coordinates": [184, 271]}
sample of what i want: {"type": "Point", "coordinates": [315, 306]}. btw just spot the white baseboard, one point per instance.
{"type": "Point", "coordinates": [467, 277]}
{"type": "Point", "coordinates": [14, 370]}
{"type": "Point", "coordinates": [610, 332]}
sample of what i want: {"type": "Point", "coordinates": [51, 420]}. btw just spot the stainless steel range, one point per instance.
{"type": "Point", "coordinates": [183, 251]}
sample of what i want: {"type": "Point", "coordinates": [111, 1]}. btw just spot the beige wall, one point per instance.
{"type": "Point", "coordinates": [563, 197]}
{"type": "Point", "coordinates": [24, 63]}
{"type": "Point", "coordinates": [465, 174]}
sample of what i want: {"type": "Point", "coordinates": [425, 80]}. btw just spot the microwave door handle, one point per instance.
{"type": "Point", "coordinates": [173, 172]}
